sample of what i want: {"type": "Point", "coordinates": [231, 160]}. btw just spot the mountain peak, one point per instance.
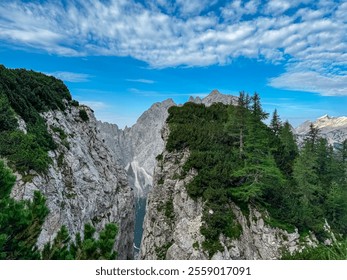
{"type": "Point", "coordinates": [215, 96]}
{"type": "Point", "coordinates": [214, 92]}
{"type": "Point", "coordinates": [334, 129]}
{"type": "Point", "coordinates": [326, 116]}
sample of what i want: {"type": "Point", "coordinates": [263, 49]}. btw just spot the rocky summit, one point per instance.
{"type": "Point", "coordinates": [334, 129]}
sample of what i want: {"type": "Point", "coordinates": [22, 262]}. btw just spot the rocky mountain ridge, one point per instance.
{"type": "Point", "coordinates": [334, 129]}
{"type": "Point", "coordinates": [84, 184]}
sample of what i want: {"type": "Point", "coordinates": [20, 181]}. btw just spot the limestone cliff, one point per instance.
{"type": "Point", "coordinates": [137, 147]}
{"type": "Point", "coordinates": [173, 220]}
{"type": "Point", "coordinates": [334, 129]}
{"type": "Point", "coordinates": [84, 184]}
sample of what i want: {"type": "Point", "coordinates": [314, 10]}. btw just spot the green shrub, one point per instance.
{"type": "Point", "coordinates": [83, 115]}
{"type": "Point", "coordinates": [337, 251]}
{"type": "Point", "coordinates": [159, 157]}
{"type": "Point", "coordinates": [162, 250]}
{"type": "Point", "coordinates": [74, 103]}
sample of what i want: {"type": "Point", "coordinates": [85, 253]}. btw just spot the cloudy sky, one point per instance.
{"type": "Point", "coordinates": [120, 56]}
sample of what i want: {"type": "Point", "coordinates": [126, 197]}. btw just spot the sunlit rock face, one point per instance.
{"type": "Point", "coordinates": [334, 129]}
{"type": "Point", "coordinates": [84, 184]}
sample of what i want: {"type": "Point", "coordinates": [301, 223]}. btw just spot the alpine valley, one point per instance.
{"type": "Point", "coordinates": [204, 180]}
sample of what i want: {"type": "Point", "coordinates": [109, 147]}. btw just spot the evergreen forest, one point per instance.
{"type": "Point", "coordinates": [240, 159]}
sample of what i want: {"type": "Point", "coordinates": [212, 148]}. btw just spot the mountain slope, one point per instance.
{"type": "Point", "coordinates": [55, 148]}
{"type": "Point", "coordinates": [334, 129]}
{"type": "Point", "coordinates": [229, 187]}
{"type": "Point", "coordinates": [173, 221]}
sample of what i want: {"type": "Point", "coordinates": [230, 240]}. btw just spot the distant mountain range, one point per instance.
{"type": "Point", "coordinates": [334, 129]}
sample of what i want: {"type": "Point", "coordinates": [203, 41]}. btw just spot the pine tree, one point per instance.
{"type": "Point", "coordinates": [309, 213]}
{"type": "Point", "coordinates": [288, 150]}
{"type": "Point", "coordinates": [312, 136]}
{"type": "Point", "coordinates": [8, 120]}
{"type": "Point", "coordinates": [20, 221]}
{"type": "Point", "coordinates": [258, 113]}
{"type": "Point", "coordinates": [86, 248]}
{"type": "Point", "coordinates": [259, 171]}
{"type": "Point", "coordinates": [275, 123]}
{"type": "Point", "coordinates": [238, 120]}
{"type": "Point", "coordinates": [59, 250]}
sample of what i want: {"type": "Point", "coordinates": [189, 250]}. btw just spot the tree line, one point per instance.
{"type": "Point", "coordinates": [241, 159]}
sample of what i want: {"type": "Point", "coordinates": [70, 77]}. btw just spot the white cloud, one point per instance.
{"type": "Point", "coordinates": [193, 7]}
{"type": "Point", "coordinates": [276, 7]}
{"type": "Point", "coordinates": [306, 36]}
{"type": "Point", "coordinates": [70, 76]}
{"type": "Point", "coordinates": [236, 9]}
{"type": "Point", "coordinates": [312, 82]}
{"type": "Point", "coordinates": [143, 81]}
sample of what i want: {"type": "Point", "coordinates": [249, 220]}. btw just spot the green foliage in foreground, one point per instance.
{"type": "Point", "coordinates": [337, 251]}
{"type": "Point", "coordinates": [20, 221]}
{"type": "Point", "coordinates": [240, 159]}
{"type": "Point", "coordinates": [88, 248]}
{"type": "Point", "coordinates": [20, 226]}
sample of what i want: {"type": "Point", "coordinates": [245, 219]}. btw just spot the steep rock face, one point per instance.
{"type": "Point", "coordinates": [145, 144]}
{"type": "Point", "coordinates": [138, 146]}
{"type": "Point", "coordinates": [334, 129]}
{"type": "Point", "coordinates": [84, 184]}
{"type": "Point", "coordinates": [173, 220]}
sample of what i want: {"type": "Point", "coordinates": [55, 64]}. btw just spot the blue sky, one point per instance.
{"type": "Point", "coordinates": [120, 56]}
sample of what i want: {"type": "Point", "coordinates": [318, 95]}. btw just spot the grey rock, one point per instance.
{"type": "Point", "coordinates": [173, 232]}
{"type": "Point", "coordinates": [84, 184]}
{"type": "Point", "coordinates": [138, 146]}
{"type": "Point", "coordinates": [334, 129]}
{"type": "Point", "coordinates": [215, 96]}
{"type": "Point", "coordinates": [22, 125]}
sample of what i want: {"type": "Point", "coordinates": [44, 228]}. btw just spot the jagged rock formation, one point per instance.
{"type": "Point", "coordinates": [85, 183]}
{"type": "Point", "coordinates": [137, 147]}
{"type": "Point", "coordinates": [334, 129]}
{"type": "Point", "coordinates": [215, 96]}
{"type": "Point", "coordinates": [173, 220]}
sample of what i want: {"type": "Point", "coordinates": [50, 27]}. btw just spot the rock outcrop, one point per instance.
{"type": "Point", "coordinates": [84, 184]}
{"type": "Point", "coordinates": [173, 220]}
{"type": "Point", "coordinates": [334, 129]}
{"type": "Point", "coordinates": [137, 147]}
{"type": "Point", "coordinates": [215, 96]}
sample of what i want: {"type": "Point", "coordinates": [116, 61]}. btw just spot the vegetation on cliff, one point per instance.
{"type": "Point", "coordinates": [24, 95]}
{"type": "Point", "coordinates": [241, 159]}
